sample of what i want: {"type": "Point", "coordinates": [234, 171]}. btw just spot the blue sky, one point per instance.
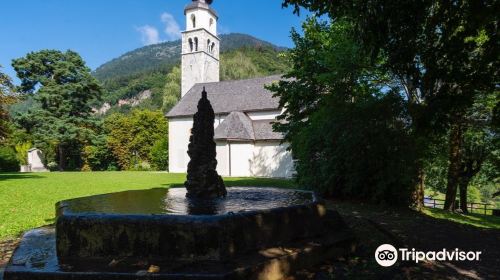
{"type": "Point", "coordinates": [104, 29]}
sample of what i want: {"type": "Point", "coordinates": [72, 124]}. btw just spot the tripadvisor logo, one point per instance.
{"type": "Point", "coordinates": [387, 255]}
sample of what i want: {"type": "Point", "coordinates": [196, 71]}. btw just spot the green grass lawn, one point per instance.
{"type": "Point", "coordinates": [477, 220]}
{"type": "Point", "coordinates": [28, 200]}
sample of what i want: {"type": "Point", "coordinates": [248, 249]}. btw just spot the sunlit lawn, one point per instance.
{"type": "Point", "coordinates": [477, 220]}
{"type": "Point", "coordinates": [28, 200]}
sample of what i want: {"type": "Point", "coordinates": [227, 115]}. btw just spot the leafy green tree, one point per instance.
{"type": "Point", "coordinates": [6, 98]}
{"type": "Point", "coordinates": [347, 132]}
{"type": "Point", "coordinates": [159, 154]}
{"type": "Point", "coordinates": [172, 89]}
{"type": "Point", "coordinates": [64, 89]}
{"type": "Point", "coordinates": [479, 142]}
{"type": "Point", "coordinates": [132, 137]}
{"type": "Point", "coordinates": [8, 160]}
{"type": "Point", "coordinates": [442, 54]}
{"type": "Point", "coordinates": [22, 152]}
{"type": "Point", "coordinates": [97, 156]}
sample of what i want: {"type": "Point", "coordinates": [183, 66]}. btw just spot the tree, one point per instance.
{"type": "Point", "coordinates": [6, 98]}
{"type": "Point", "coordinates": [22, 152]}
{"type": "Point", "coordinates": [132, 137]}
{"type": "Point", "coordinates": [172, 89]}
{"type": "Point", "coordinates": [478, 141]}
{"type": "Point", "coordinates": [159, 154]}
{"type": "Point", "coordinates": [64, 89]}
{"type": "Point", "coordinates": [442, 54]}
{"type": "Point", "coordinates": [346, 130]}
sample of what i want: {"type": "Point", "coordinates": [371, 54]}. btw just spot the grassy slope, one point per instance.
{"type": "Point", "coordinates": [27, 200]}
{"type": "Point", "coordinates": [477, 220]}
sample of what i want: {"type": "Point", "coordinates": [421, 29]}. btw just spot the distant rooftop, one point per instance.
{"type": "Point", "coordinates": [230, 96]}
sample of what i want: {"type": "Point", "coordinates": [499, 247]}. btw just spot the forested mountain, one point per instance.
{"type": "Point", "coordinates": [160, 57]}
{"type": "Point", "coordinates": [146, 69]}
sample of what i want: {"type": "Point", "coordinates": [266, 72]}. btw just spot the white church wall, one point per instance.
{"type": "Point", "coordinates": [240, 156]}
{"type": "Point", "coordinates": [271, 159]}
{"type": "Point", "coordinates": [222, 158]}
{"type": "Point", "coordinates": [178, 140]}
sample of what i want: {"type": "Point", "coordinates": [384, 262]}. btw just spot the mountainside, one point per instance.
{"type": "Point", "coordinates": [161, 57]}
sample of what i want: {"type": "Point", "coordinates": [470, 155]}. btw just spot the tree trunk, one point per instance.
{"type": "Point", "coordinates": [464, 182]}
{"type": "Point", "coordinates": [418, 192]}
{"type": "Point", "coordinates": [62, 157]}
{"type": "Point", "coordinates": [454, 168]}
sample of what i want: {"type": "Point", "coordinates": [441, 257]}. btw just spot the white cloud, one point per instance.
{"type": "Point", "coordinates": [172, 28]}
{"type": "Point", "coordinates": [149, 35]}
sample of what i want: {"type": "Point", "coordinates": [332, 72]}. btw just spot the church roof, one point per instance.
{"type": "Point", "coordinates": [200, 4]}
{"type": "Point", "coordinates": [230, 96]}
{"type": "Point", "coordinates": [238, 126]}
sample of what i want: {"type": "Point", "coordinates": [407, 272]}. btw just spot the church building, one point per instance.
{"type": "Point", "coordinates": [244, 109]}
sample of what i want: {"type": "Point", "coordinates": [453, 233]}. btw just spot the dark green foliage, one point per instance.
{"type": "Point", "coordinates": [202, 178]}
{"type": "Point", "coordinates": [64, 90]}
{"type": "Point", "coordinates": [348, 130]}
{"type": "Point", "coordinates": [98, 157]}
{"type": "Point", "coordinates": [8, 160]}
{"type": "Point", "coordinates": [6, 98]}
{"type": "Point", "coordinates": [357, 150]}
{"type": "Point", "coordinates": [440, 54]}
{"type": "Point", "coordinates": [159, 154]}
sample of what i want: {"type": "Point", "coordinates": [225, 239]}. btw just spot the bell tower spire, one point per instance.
{"type": "Point", "coordinates": [200, 45]}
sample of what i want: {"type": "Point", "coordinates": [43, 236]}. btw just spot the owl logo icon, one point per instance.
{"type": "Point", "coordinates": [386, 255]}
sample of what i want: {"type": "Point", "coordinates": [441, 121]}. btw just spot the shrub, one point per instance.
{"type": "Point", "coordinates": [159, 154]}
{"type": "Point", "coordinates": [8, 160]}
{"type": "Point", "coordinates": [22, 152]}
{"type": "Point", "coordinates": [53, 166]}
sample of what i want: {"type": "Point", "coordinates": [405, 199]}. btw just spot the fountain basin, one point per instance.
{"type": "Point", "coordinates": [165, 225]}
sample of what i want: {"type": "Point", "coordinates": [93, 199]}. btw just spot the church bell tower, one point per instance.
{"type": "Point", "coordinates": [200, 45]}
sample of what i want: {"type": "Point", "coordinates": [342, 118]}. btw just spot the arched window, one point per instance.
{"type": "Point", "coordinates": [211, 22]}
{"type": "Point", "coordinates": [193, 20]}
{"type": "Point", "coordinates": [208, 45]}
{"type": "Point", "coordinates": [195, 44]}
{"type": "Point", "coordinates": [212, 48]}
{"type": "Point", "coordinates": [191, 44]}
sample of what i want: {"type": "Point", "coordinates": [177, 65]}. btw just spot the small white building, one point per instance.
{"type": "Point", "coordinates": [244, 109]}
{"type": "Point", "coordinates": [35, 163]}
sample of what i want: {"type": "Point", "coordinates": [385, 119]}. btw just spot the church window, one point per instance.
{"type": "Point", "coordinates": [212, 48]}
{"type": "Point", "coordinates": [208, 46]}
{"type": "Point", "coordinates": [211, 22]}
{"type": "Point", "coordinates": [193, 20]}
{"type": "Point", "coordinates": [195, 44]}
{"type": "Point", "coordinates": [191, 44]}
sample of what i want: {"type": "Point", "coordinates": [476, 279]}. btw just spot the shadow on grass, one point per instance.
{"type": "Point", "coordinates": [17, 176]}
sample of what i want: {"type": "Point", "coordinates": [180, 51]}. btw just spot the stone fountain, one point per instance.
{"type": "Point", "coordinates": [202, 231]}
